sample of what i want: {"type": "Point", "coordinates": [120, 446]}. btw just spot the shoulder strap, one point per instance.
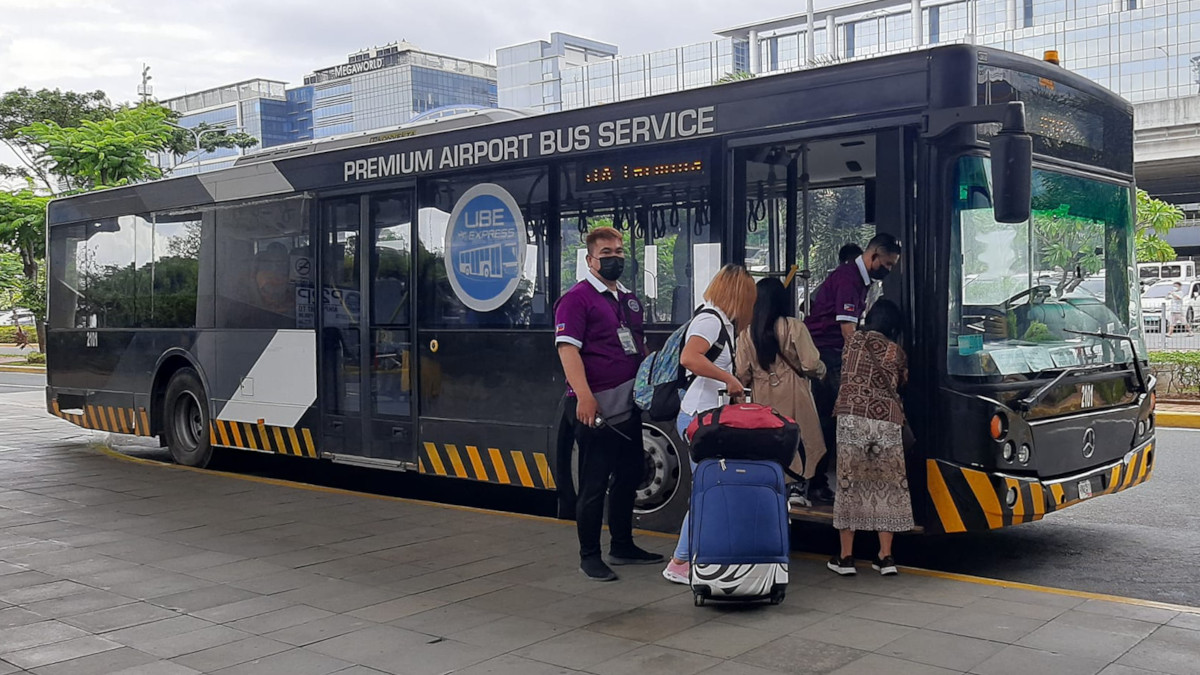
{"type": "Point", "coordinates": [715, 349]}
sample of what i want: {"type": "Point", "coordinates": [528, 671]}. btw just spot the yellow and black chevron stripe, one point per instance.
{"type": "Point", "coordinates": [966, 500]}
{"type": "Point", "coordinates": [263, 438]}
{"type": "Point", "coordinates": [108, 418]}
{"type": "Point", "coordinates": [512, 467]}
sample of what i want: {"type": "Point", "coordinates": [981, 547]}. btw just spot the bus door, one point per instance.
{"type": "Point", "coordinates": [366, 329]}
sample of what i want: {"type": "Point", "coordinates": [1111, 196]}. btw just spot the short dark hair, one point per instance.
{"type": "Point", "coordinates": [885, 317]}
{"type": "Point", "coordinates": [884, 242]}
{"type": "Point", "coordinates": [848, 253]}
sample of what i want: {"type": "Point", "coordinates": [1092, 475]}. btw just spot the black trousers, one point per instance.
{"type": "Point", "coordinates": [825, 397]}
{"type": "Point", "coordinates": [608, 464]}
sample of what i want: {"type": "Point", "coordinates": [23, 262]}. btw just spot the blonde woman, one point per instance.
{"type": "Point", "coordinates": [778, 361]}
{"type": "Point", "coordinates": [707, 354]}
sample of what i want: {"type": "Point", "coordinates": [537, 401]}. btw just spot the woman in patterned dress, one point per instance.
{"type": "Point", "coordinates": [872, 488]}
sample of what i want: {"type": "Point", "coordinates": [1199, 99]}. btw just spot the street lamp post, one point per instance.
{"type": "Point", "coordinates": [196, 135]}
{"type": "Point", "coordinates": [1168, 55]}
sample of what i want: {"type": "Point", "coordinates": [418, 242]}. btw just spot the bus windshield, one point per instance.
{"type": "Point", "coordinates": [1017, 291]}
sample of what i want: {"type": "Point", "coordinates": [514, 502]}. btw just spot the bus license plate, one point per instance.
{"type": "Point", "coordinates": [1085, 489]}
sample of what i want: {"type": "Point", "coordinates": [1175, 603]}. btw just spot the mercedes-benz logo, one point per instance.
{"type": "Point", "coordinates": [1089, 442]}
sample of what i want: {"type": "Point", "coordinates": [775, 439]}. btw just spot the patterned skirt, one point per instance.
{"type": "Point", "coordinates": [872, 488]}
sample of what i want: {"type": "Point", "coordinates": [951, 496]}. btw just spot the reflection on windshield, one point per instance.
{"type": "Point", "coordinates": [1017, 290]}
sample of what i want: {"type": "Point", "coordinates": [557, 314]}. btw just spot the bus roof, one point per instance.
{"type": "Point", "coordinates": [875, 93]}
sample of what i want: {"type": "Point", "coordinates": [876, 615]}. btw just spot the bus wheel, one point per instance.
{"type": "Point", "coordinates": [185, 419]}
{"type": "Point", "coordinates": [662, 496]}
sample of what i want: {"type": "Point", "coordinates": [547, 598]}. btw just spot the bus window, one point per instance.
{"type": "Point", "coordinates": [340, 303]}
{"type": "Point", "coordinates": [101, 272]}
{"type": "Point", "coordinates": [175, 275]}
{"type": "Point", "coordinates": [660, 203]}
{"type": "Point", "coordinates": [491, 279]}
{"type": "Point", "coordinates": [256, 246]}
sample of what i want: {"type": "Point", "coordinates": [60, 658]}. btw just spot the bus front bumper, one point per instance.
{"type": "Point", "coordinates": [964, 499]}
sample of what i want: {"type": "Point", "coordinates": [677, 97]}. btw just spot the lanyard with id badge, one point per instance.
{"type": "Point", "coordinates": [624, 333]}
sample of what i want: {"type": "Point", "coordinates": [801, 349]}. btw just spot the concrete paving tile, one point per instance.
{"type": "Point", "coordinates": [580, 649]}
{"type": "Point", "coordinates": [640, 591]}
{"type": "Point", "coordinates": [572, 612]}
{"type": "Point", "coordinates": [1128, 611]}
{"type": "Point", "coordinates": [360, 670]}
{"type": "Point", "coordinates": [509, 664]}
{"type": "Point", "coordinates": [116, 618]}
{"type": "Point", "coordinates": [399, 608]}
{"type": "Point", "coordinates": [509, 634]}
{"type": "Point", "coordinates": [232, 654]}
{"type": "Point", "coordinates": [242, 609]}
{"type": "Point", "coordinates": [108, 661]}
{"type": "Point", "coordinates": [47, 591]}
{"type": "Point", "coordinates": [142, 633]}
{"type": "Point", "coordinates": [319, 629]}
{"type": "Point", "coordinates": [1103, 622]}
{"type": "Point", "coordinates": [313, 555]}
{"type": "Point", "coordinates": [200, 599]}
{"type": "Point", "coordinates": [465, 590]}
{"type": "Point", "coordinates": [1015, 659]}
{"type": "Point", "coordinates": [294, 661]}
{"type": "Point", "coordinates": [66, 650]}
{"type": "Point", "coordinates": [645, 625]}
{"type": "Point", "coordinates": [956, 652]}
{"type": "Point", "coordinates": [240, 570]}
{"type": "Point", "coordinates": [348, 566]}
{"type": "Point", "coordinates": [15, 616]}
{"type": "Point", "coordinates": [276, 582]}
{"type": "Point", "coordinates": [198, 561]}
{"type": "Point", "coordinates": [1168, 650]}
{"type": "Point", "coordinates": [160, 586]}
{"type": "Point", "coordinates": [339, 596]}
{"type": "Point", "coordinates": [1060, 638]}
{"type": "Point", "coordinates": [1036, 597]}
{"type": "Point", "coordinates": [898, 611]}
{"type": "Point", "coordinates": [831, 598]}
{"type": "Point", "coordinates": [516, 599]}
{"type": "Point", "coordinates": [736, 668]}
{"type": "Point", "coordinates": [186, 643]}
{"type": "Point", "coordinates": [654, 659]}
{"type": "Point", "coordinates": [792, 654]}
{"type": "Point", "coordinates": [279, 619]}
{"type": "Point", "coordinates": [1015, 608]}
{"type": "Point", "coordinates": [986, 625]}
{"type": "Point", "coordinates": [449, 619]}
{"type": "Point", "coordinates": [874, 664]}
{"type": "Point", "coordinates": [32, 635]}
{"type": "Point", "coordinates": [370, 645]}
{"type": "Point", "coordinates": [853, 632]}
{"type": "Point", "coordinates": [436, 658]}
{"type": "Point", "coordinates": [159, 668]}
{"type": "Point", "coordinates": [78, 603]}
{"type": "Point", "coordinates": [718, 639]}
{"type": "Point", "coordinates": [1117, 669]}
{"type": "Point", "coordinates": [1183, 620]}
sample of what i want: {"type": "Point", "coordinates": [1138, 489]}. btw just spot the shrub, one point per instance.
{"type": "Point", "coordinates": [8, 334]}
{"type": "Point", "coordinates": [1191, 358]}
{"type": "Point", "coordinates": [36, 358]}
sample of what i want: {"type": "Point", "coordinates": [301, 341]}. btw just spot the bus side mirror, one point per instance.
{"type": "Point", "coordinates": [1012, 175]}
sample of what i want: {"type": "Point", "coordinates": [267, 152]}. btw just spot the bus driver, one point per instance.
{"type": "Point", "coordinates": [598, 334]}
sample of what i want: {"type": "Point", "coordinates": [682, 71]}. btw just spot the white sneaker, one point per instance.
{"type": "Point", "coordinates": [797, 499]}
{"type": "Point", "coordinates": [677, 573]}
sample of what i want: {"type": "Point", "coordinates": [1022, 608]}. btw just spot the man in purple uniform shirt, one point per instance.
{"type": "Point", "coordinates": [837, 307]}
{"type": "Point", "coordinates": [598, 333]}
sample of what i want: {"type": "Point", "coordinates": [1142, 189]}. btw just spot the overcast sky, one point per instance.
{"type": "Point", "coordinates": [190, 46]}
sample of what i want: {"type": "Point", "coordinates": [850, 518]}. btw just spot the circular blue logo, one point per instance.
{"type": "Point", "coordinates": [485, 247]}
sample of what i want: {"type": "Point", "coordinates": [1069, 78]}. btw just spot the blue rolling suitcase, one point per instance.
{"type": "Point", "coordinates": [738, 531]}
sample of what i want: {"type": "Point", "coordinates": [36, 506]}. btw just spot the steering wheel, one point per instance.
{"type": "Point", "coordinates": [1039, 295]}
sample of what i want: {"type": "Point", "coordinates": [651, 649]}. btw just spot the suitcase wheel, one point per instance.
{"type": "Point", "coordinates": [777, 597]}
{"type": "Point", "coordinates": [699, 599]}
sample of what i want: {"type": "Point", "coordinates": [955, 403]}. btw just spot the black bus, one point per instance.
{"type": "Point", "coordinates": [387, 301]}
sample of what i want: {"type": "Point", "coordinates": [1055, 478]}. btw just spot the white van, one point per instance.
{"type": "Point", "coordinates": [1178, 270]}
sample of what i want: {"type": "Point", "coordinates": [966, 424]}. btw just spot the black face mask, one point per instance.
{"type": "Point", "coordinates": [611, 267]}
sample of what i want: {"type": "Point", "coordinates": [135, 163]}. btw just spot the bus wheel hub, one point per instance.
{"type": "Point", "coordinates": [661, 477]}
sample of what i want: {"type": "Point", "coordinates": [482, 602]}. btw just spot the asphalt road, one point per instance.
{"type": "Point", "coordinates": [17, 382]}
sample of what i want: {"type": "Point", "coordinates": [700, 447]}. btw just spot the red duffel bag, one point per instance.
{"type": "Point", "coordinates": [744, 431]}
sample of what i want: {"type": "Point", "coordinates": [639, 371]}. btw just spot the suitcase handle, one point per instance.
{"type": "Point", "coordinates": [723, 396]}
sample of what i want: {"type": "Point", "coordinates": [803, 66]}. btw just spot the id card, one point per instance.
{"type": "Point", "coordinates": [627, 343]}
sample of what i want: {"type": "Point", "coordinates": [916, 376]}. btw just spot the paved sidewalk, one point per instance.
{"type": "Point", "coordinates": [113, 566]}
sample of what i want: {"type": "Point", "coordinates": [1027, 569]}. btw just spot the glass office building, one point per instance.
{"type": "Point", "coordinates": [264, 109]}
{"type": "Point", "coordinates": [529, 75]}
{"type": "Point", "coordinates": [390, 85]}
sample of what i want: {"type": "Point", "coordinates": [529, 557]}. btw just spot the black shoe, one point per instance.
{"type": "Point", "coordinates": [886, 565]}
{"type": "Point", "coordinates": [798, 495]}
{"type": "Point", "coordinates": [820, 494]}
{"type": "Point", "coordinates": [633, 555]}
{"type": "Point", "coordinates": [843, 566]}
{"type": "Point", "coordinates": [596, 570]}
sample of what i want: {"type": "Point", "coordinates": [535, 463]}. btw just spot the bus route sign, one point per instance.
{"type": "Point", "coordinates": [485, 247]}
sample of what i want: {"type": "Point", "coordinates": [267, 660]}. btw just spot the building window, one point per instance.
{"type": "Point", "coordinates": [849, 40]}
{"type": "Point", "coordinates": [935, 25]}
{"type": "Point", "coordinates": [1130, 4]}
{"type": "Point", "coordinates": [1028, 13]}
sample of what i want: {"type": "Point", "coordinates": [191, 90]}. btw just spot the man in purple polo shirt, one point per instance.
{"type": "Point", "coordinates": [837, 306]}
{"type": "Point", "coordinates": [598, 333]}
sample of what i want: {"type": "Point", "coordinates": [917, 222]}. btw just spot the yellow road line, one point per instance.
{"type": "Point", "coordinates": [660, 535]}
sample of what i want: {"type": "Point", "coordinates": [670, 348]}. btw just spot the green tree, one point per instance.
{"type": "Point", "coordinates": [22, 107]}
{"type": "Point", "coordinates": [1155, 218]}
{"type": "Point", "coordinates": [11, 273]}
{"type": "Point", "coordinates": [23, 232]}
{"type": "Point", "coordinates": [735, 76]}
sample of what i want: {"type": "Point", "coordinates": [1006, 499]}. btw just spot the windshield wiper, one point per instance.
{"type": "Point", "coordinates": [1137, 363]}
{"type": "Point", "coordinates": [1027, 403]}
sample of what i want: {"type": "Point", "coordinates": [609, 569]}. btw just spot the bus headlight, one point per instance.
{"type": "Point", "coordinates": [1024, 453]}
{"type": "Point", "coordinates": [1010, 497]}
{"type": "Point", "coordinates": [1010, 449]}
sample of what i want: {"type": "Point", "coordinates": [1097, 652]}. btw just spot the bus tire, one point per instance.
{"type": "Point", "coordinates": [666, 490]}
{"type": "Point", "coordinates": [186, 419]}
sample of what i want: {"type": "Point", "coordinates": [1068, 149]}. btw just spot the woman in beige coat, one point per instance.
{"type": "Point", "coordinates": [776, 360]}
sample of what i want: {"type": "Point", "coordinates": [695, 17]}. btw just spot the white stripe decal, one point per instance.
{"type": "Point", "coordinates": [281, 386]}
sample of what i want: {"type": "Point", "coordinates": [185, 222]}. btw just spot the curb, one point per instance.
{"type": "Point", "coordinates": [4, 368]}
{"type": "Point", "coordinates": [1177, 420]}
